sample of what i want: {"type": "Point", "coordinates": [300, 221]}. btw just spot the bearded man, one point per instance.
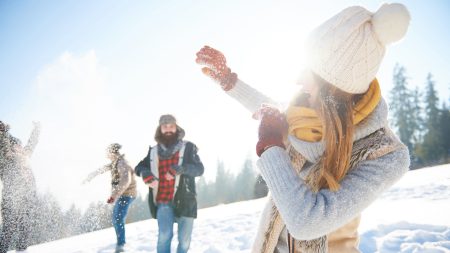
{"type": "Point", "coordinates": [169, 170]}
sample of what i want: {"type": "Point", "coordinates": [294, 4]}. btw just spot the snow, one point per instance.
{"type": "Point", "coordinates": [411, 217]}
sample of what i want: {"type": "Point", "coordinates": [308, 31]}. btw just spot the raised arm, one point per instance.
{"type": "Point", "coordinates": [33, 140]}
{"type": "Point", "coordinates": [97, 172]}
{"type": "Point", "coordinates": [215, 67]}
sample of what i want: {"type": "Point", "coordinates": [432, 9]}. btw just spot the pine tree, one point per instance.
{"type": "Point", "coordinates": [97, 216]}
{"type": "Point", "coordinates": [48, 219]}
{"type": "Point", "coordinates": [224, 187]}
{"type": "Point", "coordinates": [431, 102]}
{"type": "Point", "coordinates": [418, 126]}
{"type": "Point", "coordinates": [417, 117]}
{"type": "Point", "coordinates": [205, 193]}
{"type": "Point", "coordinates": [404, 112]}
{"type": "Point", "coordinates": [245, 181]}
{"type": "Point", "coordinates": [72, 220]}
{"type": "Point", "coordinates": [432, 149]}
{"type": "Point", "coordinates": [444, 130]}
{"type": "Point", "coordinates": [201, 192]}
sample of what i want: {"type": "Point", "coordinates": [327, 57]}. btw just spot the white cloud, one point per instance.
{"type": "Point", "coordinates": [72, 102]}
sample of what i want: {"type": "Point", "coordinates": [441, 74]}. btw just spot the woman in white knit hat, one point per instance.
{"type": "Point", "coordinates": [331, 153]}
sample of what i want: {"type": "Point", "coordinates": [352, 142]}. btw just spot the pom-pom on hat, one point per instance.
{"type": "Point", "coordinates": [347, 49]}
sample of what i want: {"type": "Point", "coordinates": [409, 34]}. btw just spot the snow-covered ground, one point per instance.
{"type": "Point", "coordinates": [413, 216]}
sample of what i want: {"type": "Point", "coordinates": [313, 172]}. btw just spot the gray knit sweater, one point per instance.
{"type": "Point", "coordinates": [310, 215]}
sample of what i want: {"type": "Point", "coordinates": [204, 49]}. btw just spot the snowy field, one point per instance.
{"type": "Point", "coordinates": [413, 216]}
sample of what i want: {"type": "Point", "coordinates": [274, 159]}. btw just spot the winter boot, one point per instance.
{"type": "Point", "coordinates": [120, 248]}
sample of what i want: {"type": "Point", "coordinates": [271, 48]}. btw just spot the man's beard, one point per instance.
{"type": "Point", "coordinates": [169, 138]}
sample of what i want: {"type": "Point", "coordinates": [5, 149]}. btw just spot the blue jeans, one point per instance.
{"type": "Point", "coordinates": [118, 218]}
{"type": "Point", "coordinates": [166, 218]}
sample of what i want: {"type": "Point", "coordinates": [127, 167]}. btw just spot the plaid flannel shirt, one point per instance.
{"type": "Point", "coordinates": [166, 188]}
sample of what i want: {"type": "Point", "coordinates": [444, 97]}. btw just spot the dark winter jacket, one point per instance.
{"type": "Point", "coordinates": [185, 199]}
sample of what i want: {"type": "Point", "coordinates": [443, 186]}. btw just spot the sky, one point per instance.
{"type": "Point", "coordinates": [97, 72]}
{"type": "Point", "coordinates": [410, 217]}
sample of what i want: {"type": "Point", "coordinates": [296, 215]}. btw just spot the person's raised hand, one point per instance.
{"type": "Point", "coordinates": [37, 125]}
{"type": "Point", "coordinates": [216, 67]}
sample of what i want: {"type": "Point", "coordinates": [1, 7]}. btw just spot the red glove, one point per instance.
{"type": "Point", "coordinates": [216, 67]}
{"type": "Point", "coordinates": [271, 129]}
{"type": "Point", "coordinates": [110, 200]}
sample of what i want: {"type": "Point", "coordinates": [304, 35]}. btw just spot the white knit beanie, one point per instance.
{"type": "Point", "coordinates": [347, 50]}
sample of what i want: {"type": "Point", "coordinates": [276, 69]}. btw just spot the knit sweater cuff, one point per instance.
{"type": "Point", "coordinates": [249, 97]}
{"type": "Point", "coordinates": [275, 167]}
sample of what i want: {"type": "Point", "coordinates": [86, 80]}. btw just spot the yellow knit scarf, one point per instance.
{"type": "Point", "coordinates": [306, 125]}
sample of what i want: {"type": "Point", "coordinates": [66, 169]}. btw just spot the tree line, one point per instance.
{"type": "Point", "coordinates": [420, 120]}
{"type": "Point", "coordinates": [229, 188]}
{"type": "Point", "coordinates": [51, 222]}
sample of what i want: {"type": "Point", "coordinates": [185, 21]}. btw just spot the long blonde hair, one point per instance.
{"type": "Point", "coordinates": [335, 108]}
